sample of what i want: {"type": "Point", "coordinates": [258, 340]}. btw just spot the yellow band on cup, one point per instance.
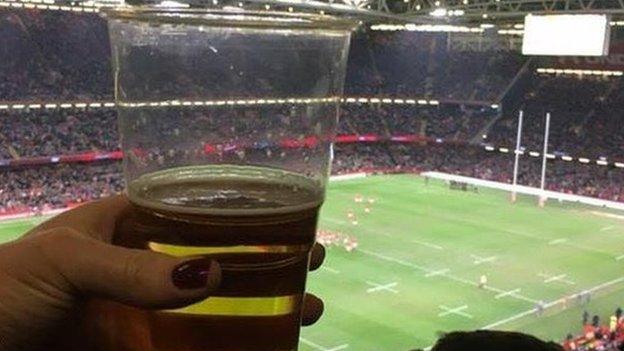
{"type": "Point", "coordinates": [232, 306]}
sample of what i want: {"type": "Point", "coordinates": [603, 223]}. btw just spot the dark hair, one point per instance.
{"type": "Point", "coordinates": [485, 340]}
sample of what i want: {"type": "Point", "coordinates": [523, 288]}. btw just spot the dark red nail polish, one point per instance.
{"type": "Point", "coordinates": [191, 274]}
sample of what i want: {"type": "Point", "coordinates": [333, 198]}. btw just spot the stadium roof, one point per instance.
{"type": "Point", "coordinates": [509, 9]}
{"type": "Point", "coordinates": [457, 11]}
{"type": "Point", "coordinates": [413, 11]}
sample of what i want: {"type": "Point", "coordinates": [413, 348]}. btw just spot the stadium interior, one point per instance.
{"type": "Point", "coordinates": [418, 216]}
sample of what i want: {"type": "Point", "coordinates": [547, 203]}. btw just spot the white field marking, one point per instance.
{"type": "Point", "coordinates": [438, 272]}
{"type": "Point", "coordinates": [507, 293]}
{"type": "Point", "coordinates": [479, 259]}
{"type": "Point", "coordinates": [607, 214]}
{"type": "Point", "coordinates": [491, 288]}
{"type": "Point", "coordinates": [604, 229]}
{"type": "Point", "coordinates": [457, 311]}
{"type": "Point", "coordinates": [567, 243]}
{"type": "Point", "coordinates": [429, 245]}
{"type": "Point", "coordinates": [588, 249]}
{"type": "Point", "coordinates": [511, 232]}
{"type": "Point", "coordinates": [321, 348]}
{"type": "Point", "coordinates": [510, 319]}
{"type": "Point", "coordinates": [557, 241]}
{"type": "Point", "coordinates": [311, 344]}
{"type": "Point", "coordinates": [552, 303]}
{"type": "Point", "coordinates": [382, 287]}
{"type": "Point", "coordinates": [392, 259]}
{"type": "Point", "coordinates": [555, 278]}
{"type": "Point", "coordinates": [528, 235]}
{"type": "Point", "coordinates": [449, 276]}
{"type": "Point", "coordinates": [330, 270]}
{"type": "Point", "coordinates": [620, 257]}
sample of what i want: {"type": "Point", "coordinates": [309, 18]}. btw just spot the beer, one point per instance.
{"type": "Point", "coordinates": [258, 223]}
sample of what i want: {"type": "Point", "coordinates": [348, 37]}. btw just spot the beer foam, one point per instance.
{"type": "Point", "coordinates": [225, 190]}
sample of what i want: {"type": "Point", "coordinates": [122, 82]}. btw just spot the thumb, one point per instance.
{"type": "Point", "coordinates": [139, 278]}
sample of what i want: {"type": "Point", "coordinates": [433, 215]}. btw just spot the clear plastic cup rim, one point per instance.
{"type": "Point", "coordinates": [230, 17]}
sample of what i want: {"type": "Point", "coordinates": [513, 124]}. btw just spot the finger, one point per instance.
{"type": "Point", "coordinates": [312, 309]}
{"type": "Point", "coordinates": [139, 278]}
{"type": "Point", "coordinates": [317, 256]}
{"type": "Point", "coordinates": [96, 219]}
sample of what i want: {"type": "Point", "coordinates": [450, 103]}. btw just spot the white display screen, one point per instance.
{"type": "Point", "coordinates": [566, 35]}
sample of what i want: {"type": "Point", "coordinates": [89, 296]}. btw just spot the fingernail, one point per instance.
{"type": "Point", "coordinates": [192, 274]}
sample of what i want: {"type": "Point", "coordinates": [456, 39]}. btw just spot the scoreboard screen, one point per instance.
{"type": "Point", "coordinates": [566, 35]}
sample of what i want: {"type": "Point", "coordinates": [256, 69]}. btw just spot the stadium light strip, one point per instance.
{"type": "Point", "coordinates": [239, 102]}
{"type": "Point", "coordinates": [26, 106]}
{"type": "Point", "coordinates": [276, 101]}
{"type": "Point", "coordinates": [511, 32]}
{"type": "Point", "coordinates": [48, 2]}
{"type": "Point", "coordinates": [583, 160]}
{"type": "Point", "coordinates": [44, 6]}
{"type": "Point", "coordinates": [410, 27]}
{"type": "Point", "coordinates": [444, 28]}
{"type": "Point", "coordinates": [54, 106]}
{"type": "Point", "coordinates": [579, 72]}
{"type": "Point", "coordinates": [22, 106]}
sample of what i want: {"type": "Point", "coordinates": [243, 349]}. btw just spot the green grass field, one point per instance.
{"type": "Point", "coordinates": [422, 249]}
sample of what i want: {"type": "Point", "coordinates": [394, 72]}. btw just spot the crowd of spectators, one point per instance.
{"type": "Point", "coordinates": [421, 64]}
{"type": "Point", "coordinates": [598, 335]}
{"type": "Point", "coordinates": [452, 122]}
{"type": "Point", "coordinates": [53, 55]}
{"type": "Point", "coordinates": [569, 177]}
{"type": "Point", "coordinates": [57, 132]}
{"type": "Point", "coordinates": [585, 117]}
{"type": "Point", "coordinates": [43, 132]}
{"type": "Point", "coordinates": [58, 184]}
{"type": "Point", "coordinates": [56, 56]}
{"type": "Point", "coordinates": [41, 188]}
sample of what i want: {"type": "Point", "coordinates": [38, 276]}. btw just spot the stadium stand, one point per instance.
{"type": "Point", "coordinates": [420, 65]}
{"type": "Point", "coordinates": [40, 188]}
{"type": "Point", "coordinates": [49, 60]}
{"type": "Point", "coordinates": [454, 122]}
{"type": "Point", "coordinates": [54, 56]}
{"type": "Point", "coordinates": [58, 157]}
{"type": "Point", "coordinates": [579, 126]}
{"type": "Point", "coordinates": [605, 336]}
{"type": "Point", "coordinates": [57, 132]}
